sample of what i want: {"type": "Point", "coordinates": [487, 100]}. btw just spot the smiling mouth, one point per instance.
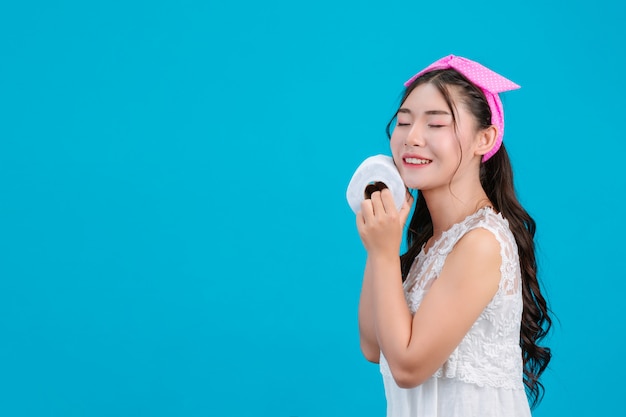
{"type": "Point", "coordinates": [417, 161]}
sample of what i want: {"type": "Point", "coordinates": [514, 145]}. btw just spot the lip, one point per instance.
{"type": "Point", "coordinates": [416, 156]}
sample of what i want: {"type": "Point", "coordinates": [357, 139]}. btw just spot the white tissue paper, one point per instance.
{"type": "Point", "coordinates": [377, 168]}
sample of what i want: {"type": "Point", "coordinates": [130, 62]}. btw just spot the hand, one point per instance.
{"type": "Point", "coordinates": [380, 224]}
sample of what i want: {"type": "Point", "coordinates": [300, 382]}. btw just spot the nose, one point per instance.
{"type": "Point", "coordinates": [415, 136]}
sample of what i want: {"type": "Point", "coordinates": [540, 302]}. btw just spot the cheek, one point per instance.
{"type": "Point", "coordinates": [396, 145]}
{"type": "Point", "coordinates": [397, 139]}
{"type": "Point", "coordinates": [447, 144]}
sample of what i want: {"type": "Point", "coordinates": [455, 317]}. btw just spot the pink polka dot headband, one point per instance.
{"type": "Point", "coordinates": [488, 81]}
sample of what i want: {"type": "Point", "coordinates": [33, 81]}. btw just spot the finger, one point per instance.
{"type": "Point", "coordinates": [360, 221]}
{"type": "Point", "coordinates": [367, 211]}
{"type": "Point", "coordinates": [388, 201]}
{"type": "Point", "coordinates": [377, 203]}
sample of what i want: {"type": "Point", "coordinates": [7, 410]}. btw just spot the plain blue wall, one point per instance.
{"type": "Point", "coordinates": [174, 235]}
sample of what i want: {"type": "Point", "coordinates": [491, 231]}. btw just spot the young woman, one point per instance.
{"type": "Point", "coordinates": [455, 321]}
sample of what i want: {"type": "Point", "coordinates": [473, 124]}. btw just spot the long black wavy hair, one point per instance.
{"type": "Point", "coordinates": [496, 177]}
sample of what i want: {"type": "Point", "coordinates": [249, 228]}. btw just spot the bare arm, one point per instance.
{"type": "Point", "coordinates": [370, 345]}
{"type": "Point", "coordinates": [417, 345]}
{"type": "Point", "coordinates": [367, 330]}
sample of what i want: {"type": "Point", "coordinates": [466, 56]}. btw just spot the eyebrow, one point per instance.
{"type": "Point", "coordinates": [428, 112]}
{"type": "Point", "coordinates": [437, 112]}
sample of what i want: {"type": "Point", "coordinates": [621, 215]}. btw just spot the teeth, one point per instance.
{"type": "Point", "coordinates": [417, 161]}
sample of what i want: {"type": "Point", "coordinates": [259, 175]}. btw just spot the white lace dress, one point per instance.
{"type": "Point", "coordinates": [483, 376]}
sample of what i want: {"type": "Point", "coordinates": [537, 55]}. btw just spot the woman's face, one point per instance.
{"type": "Point", "coordinates": [427, 149]}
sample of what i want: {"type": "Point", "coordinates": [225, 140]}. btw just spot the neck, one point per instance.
{"type": "Point", "coordinates": [450, 205]}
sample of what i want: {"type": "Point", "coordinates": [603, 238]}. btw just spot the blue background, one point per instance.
{"type": "Point", "coordinates": [174, 235]}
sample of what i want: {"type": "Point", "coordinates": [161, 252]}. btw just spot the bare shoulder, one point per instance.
{"type": "Point", "coordinates": [476, 259]}
{"type": "Point", "coordinates": [479, 242]}
{"type": "Point", "coordinates": [467, 283]}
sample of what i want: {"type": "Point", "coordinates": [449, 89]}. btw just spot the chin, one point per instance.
{"type": "Point", "coordinates": [412, 185]}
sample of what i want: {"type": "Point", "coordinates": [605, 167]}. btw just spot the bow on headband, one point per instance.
{"type": "Point", "coordinates": [488, 81]}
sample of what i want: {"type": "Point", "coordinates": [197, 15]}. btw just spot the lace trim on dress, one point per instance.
{"type": "Point", "coordinates": [489, 354]}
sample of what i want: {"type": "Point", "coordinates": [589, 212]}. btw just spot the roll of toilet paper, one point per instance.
{"type": "Point", "coordinates": [377, 168]}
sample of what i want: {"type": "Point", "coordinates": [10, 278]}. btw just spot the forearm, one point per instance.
{"type": "Point", "coordinates": [367, 327]}
{"type": "Point", "coordinates": [392, 317]}
{"type": "Point", "coordinates": [380, 227]}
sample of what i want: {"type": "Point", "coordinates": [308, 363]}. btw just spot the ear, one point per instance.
{"type": "Point", "coordinates": [485, 139]}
